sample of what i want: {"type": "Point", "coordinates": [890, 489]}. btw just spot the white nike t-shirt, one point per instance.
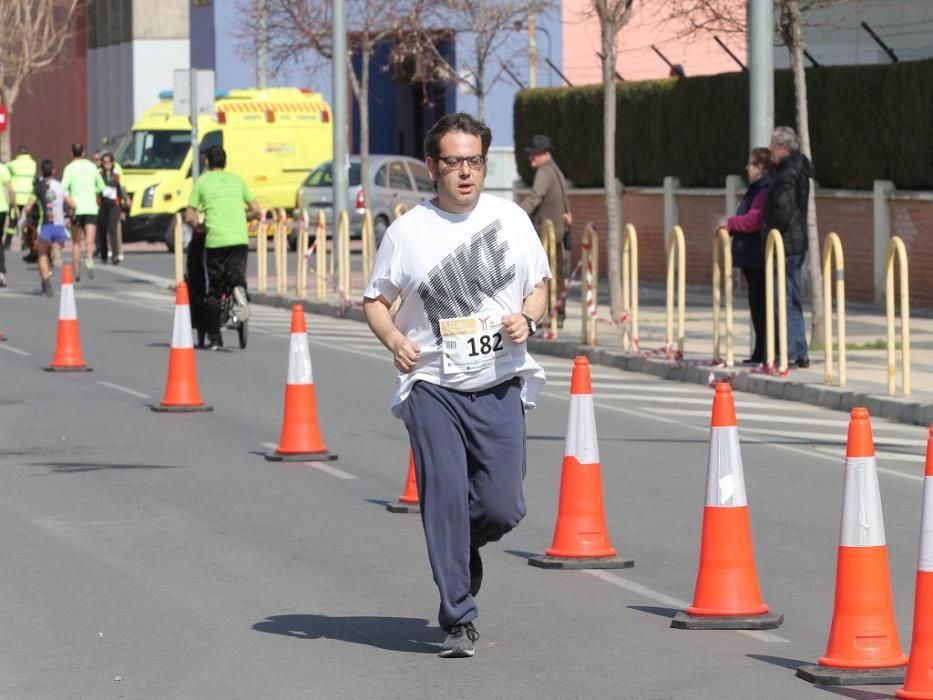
{"type": "Point", "coordinates": [458, 275]}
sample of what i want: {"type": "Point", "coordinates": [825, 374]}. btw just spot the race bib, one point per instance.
{"type": "Point", "coordinates": [109, 192]}
{"type": "Point", "coordinates": [474, 343]}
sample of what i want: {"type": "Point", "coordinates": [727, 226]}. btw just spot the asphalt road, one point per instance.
{"type": "Point", "coordinates": [160, 556]}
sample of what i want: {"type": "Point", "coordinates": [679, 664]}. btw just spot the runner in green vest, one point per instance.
{"type": "Point", "coordinates": [23, 175]}
{"type": "Point", "coordinates": [82, 182]}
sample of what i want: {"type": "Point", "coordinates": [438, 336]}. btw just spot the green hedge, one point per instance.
{"type": "Point", "coordinates": [866, 123]}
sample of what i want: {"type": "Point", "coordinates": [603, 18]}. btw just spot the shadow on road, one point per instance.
{"type": "Point", "coordinates": [407, 634]}
{"type": "Point", "coordinates": [654, 610]}
{"type": "Point", "coordinates": [79, 467]}
{"type": "Point", "coordinates": [781, 661]}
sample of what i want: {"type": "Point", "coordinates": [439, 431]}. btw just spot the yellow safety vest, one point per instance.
{"type": "Point", "coordinates": [23, 174]}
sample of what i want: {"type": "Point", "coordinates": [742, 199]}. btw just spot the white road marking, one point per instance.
{"type": "Point", "coordinates": [125, 390]}
{"type": "Point", "coordinates": [15, 351]}
{"type": "Point", "coordinates": [788, 448]}
{"type": "Point", "coordinates": [695, 402]}
{"type": "Point", "coordinates": [752, 417]}
{"type": "Point", "coordinates": [838, 439]}
{"type": "Point", "coordinates": [333, 471]}
{"type": "Point", "coordinates": [657, 597]}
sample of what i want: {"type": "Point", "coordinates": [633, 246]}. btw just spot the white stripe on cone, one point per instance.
{"type": "Point", "coordinates": [925, 559]}
{"type": "Point", "coordinates": [862, 520]}
{"type": "Point", "coordinates": [67, 311]}
{"type": "Point", "coordinates": [725, 478]}
{"type": "Point", "coordinates": [181, 331]}
{"type": "Point", "coordinates": [299, 360]}
{"type": "Point", "coordinates": [581, 441]}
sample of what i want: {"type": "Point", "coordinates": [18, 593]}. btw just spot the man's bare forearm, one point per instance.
{"type": "Point", "coordinates": [535, 304]}
{"type": "Point", "coordinates": [380, 322]}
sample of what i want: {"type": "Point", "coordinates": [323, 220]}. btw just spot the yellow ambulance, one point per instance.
{"type": "Point", "coordinates": [273, 138]}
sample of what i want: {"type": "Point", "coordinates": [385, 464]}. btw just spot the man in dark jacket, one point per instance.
{"type": "Point", "coordinates": [548, 201]}
{"type": "Point", "coordinates": [786, 210]}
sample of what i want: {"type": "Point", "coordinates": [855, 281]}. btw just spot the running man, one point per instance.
{"type": "Point", "coordinates": [82, 182]}
{"type": "Point", "coordinates": [471, 274]}
{"type": "Point", "coordinates": [49, 198]}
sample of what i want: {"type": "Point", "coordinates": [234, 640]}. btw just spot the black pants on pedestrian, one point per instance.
{"type": "Point", "coordinates": [226, 269]}
{"type": "Point", "coordinates": [108, 223]}
{"type": "Point", "coordinates": [3, 216]}
{"type": "Point", "coordinates": [755, 279]}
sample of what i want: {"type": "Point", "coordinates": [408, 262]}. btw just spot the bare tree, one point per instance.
{"type": "Point", "coordinates": [612, 15]}
{"type": "Point", "coordinates": [490, 26]}
{"type": "Point", "coordinates": [728, 16]}
{"type": "Point", "coordinates": [300, 30]}
{"type": "Point", "coordinates": [33, 36]}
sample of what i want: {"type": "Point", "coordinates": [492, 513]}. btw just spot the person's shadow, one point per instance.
{"type": "Point", "coordinates": [407, 634]}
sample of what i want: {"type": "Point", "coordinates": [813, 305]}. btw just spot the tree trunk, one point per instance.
{"type": "Point", "coordinates": [796, 48]}
{"type": "Point", "coordinates": [613, 238]}
{"type": "Point", "coordinates": [479, 78]}
{"type": "Point", "coordinates": [6, 152]}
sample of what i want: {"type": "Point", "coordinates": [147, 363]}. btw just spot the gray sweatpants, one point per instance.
{"type": "Point", "coordinates": [469, 462]}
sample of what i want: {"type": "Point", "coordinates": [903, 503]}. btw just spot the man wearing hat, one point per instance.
{"type": "Point", "coordinates": [548, 201]}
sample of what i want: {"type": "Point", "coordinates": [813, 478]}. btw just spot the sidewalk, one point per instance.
{"type": "Point", "coordinates": [866, 355]}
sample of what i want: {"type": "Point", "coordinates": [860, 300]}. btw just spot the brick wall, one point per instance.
{"type": "Point", "coordinates": [850, 217]}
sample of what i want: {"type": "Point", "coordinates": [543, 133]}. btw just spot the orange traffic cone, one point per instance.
{"type": "Point", "coordinates": [863, 645]}
{"type": "Point", "coordinates": [301, 438]}
{"type": "Point", "coordinates": [581, 539]}
{"type": "Point", "coordinates": [408, 501]}
{"type": "Point", "coordinates": [918, 684]}
{"type": "Point", "coordinates": [68, 356]}
{"type": "Point", "coordinates": [726, 594]}
{"type": "Point", "coordinates": [181, 388]}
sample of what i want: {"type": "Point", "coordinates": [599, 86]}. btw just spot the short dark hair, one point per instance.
{"type": "Point", "coordinates": [23, 149]}
{"type": "Point", "coordinates": [47, 168]}
{"type": "Point", "coordinates": [77, 149]}
{"type": "Point", "coordinates": [216, 158]}
{"type": "Point", "coordinates": [460, 121]}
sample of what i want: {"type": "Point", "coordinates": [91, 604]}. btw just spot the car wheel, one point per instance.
{"type": "Point", "coordinates": [170, 236]}
{"type": "Point", "coordinates": [379, 229]}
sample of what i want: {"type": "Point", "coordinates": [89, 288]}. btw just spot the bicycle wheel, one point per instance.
{"type": "Point", "coordinates": [242, 333]}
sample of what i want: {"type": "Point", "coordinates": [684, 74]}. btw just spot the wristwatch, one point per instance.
{"type": "Point", "coordinates": [532, 326]}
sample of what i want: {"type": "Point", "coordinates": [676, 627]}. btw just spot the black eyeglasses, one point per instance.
{"type": "Point", "coordinates": [456, 162]}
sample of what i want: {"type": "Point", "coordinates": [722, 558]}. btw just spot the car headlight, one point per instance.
{"type": "Point", "coordinates": [149, 195]}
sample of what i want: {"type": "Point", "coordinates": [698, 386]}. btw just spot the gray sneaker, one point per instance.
{"type": "Point", "coordinates": [47, 287]}
{"type": "Point", "coordinates": [240, 304]}
{"type": "Point", "coordinates": [460, 642]}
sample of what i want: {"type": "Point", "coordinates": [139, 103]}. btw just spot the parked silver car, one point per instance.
{"type": "Point", "coordinates": [393, 180]}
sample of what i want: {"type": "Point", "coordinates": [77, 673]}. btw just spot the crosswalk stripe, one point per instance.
{"type": "Point", "coordinates": [693, 402]}
{"type": "Point", "coordinates": [839, 439]}
{"type": "Point", "coordinates": [770, 418]}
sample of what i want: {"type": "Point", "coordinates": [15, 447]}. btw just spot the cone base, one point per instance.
{"type": "Point", "coordinates": [170, 408]}
{"type": "Point", "coordinates": [301, 456]}
{"type": "Point", "coordinates": [567, 563]}
{"type": "Point", "coordinates": [56, 368]}
{"type": "Point", "coordinates": [766, 621]}
{"type": "Point", "coordinates": [913, 694]}
{"type": "Point", "coordinates": [402, 507]}
{"type": "Point", "coordinates": [831, 675]}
